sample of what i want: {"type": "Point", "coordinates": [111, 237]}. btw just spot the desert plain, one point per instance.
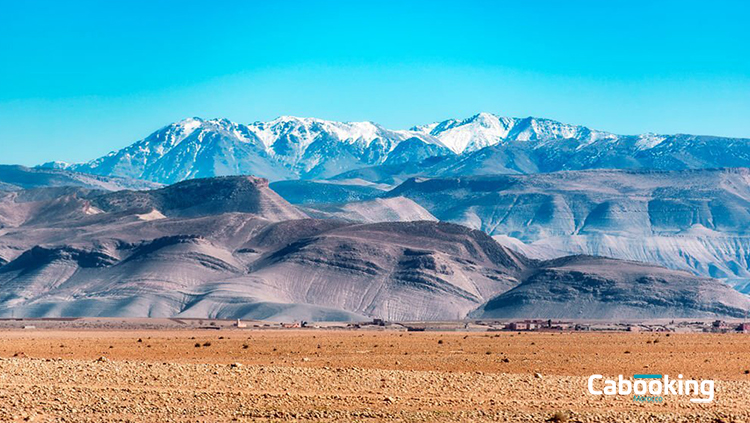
{"type": "Point", "coordinates": [141, 375]}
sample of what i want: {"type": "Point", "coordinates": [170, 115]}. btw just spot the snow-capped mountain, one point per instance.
{"type": "Point", "coordinates": [308, 148]}
{"type": "Point", "coordinates": [289, 137]}
{"type": "Point", "coordinates": [284, 148]}
{"type": "Point", "coordinates": [315, 147]}
{"type": "Point", "coordinates": [485, 129]}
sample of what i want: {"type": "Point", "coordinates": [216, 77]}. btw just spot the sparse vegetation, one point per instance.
{"type": "Point", "coordinates": [313, 377]}
{"type": "Point", "coordinates": [559, 416]}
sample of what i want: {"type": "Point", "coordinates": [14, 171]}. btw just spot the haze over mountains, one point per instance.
{"type": "Point", "coordinates": [353, 229]}
{"type": "Point", "coordinates": [14, 177]}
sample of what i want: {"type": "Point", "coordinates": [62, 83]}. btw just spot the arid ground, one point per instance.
{"type": "Point", "coordinates": [326, 375]}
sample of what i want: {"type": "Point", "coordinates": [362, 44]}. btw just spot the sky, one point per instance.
{"type": "Point", "coordinates": [81, 78]}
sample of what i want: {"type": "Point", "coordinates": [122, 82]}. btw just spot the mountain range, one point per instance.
{"type": "Point", "coordinates": [290, 148]}
{"type": "Point", "coordinates": [481, 217]}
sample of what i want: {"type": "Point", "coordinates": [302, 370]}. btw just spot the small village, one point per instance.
{"type": "Point", "coordinates": [549, 325]}
{"type": "Point", "coordinates": [525, 325]}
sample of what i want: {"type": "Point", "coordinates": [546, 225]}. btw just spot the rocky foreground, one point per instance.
{"type": "Point", "coordinates": [355, 376]}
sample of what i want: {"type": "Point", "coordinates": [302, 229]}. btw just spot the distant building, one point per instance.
{"type": "Point", "coordinates": [743, 328]}
{"type": "Point", "coordinates": [539, 325]}
{"type": "Point", "coordinates": [518, 326]}
{"type": "Point", "coordinates": [720, 326]}
{"type": "Point", "coordinates": [240, 324]}
{"type": "Point", "coordinates": [561, 325]}
{"type": "Point", "coordinates": [290, 325]}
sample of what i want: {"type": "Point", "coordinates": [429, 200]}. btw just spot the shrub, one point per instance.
{"type": "Point", "coordinates": [559, 416]}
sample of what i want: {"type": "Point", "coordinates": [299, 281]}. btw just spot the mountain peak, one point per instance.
{"type": "Point", "coordinates": [486, 129]}
{"type": "Point", "coordinates": [482, 117]}
{"type": "Point", "coordinates": [199, 197]}
{"type": "Point", "coordinates": [55, 164]}
{"type": "Point", "coordinates": [296, 119]}
{"type": "Point", "coordinates": [188, 122]}
{"type": "Point", "coordinates": [474, 133]}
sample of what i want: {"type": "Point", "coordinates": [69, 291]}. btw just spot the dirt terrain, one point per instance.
{"type": "Point", "coordinates": [338, 375]}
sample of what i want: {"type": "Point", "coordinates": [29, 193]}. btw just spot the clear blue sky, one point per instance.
{"type": "Point", "coordinates": [79, 79]}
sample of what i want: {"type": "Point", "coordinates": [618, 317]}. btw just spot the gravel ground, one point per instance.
{"type": "Point", "coordinates": [354, 376]}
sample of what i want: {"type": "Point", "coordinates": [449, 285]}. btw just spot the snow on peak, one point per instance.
{"type": "Point", "coordinates": [483, 117]}
{"type": "Point", "coordinates": [649, 140]}
{"type": "Point", "coordinates": [311, 146]}
{"type": "Point", "coordinates": [55, 164]}
{"type": "Point", "coordinates": [186, 126]}
{"type": "Point", "coordinates": [306, 130]}
{"type": "Point", "coordinates": [474, 133]}
{"type": "Point", "coordinates": [486, 129]}
{"type": "Point", "coordinates": [174, 134]}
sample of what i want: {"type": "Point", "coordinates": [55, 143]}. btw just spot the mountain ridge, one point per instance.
{"type": "Point", "coordinates": [695, 220]}
{"type": "Point", "coordinates": [229, 247]}
{"type": "Point", "coordinates": [310, 148]}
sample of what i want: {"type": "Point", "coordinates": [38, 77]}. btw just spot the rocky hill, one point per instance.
{"type": "Point", "coordinates": [695, 220]}
{"type": "Point", "coordinates": [231, 248]}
